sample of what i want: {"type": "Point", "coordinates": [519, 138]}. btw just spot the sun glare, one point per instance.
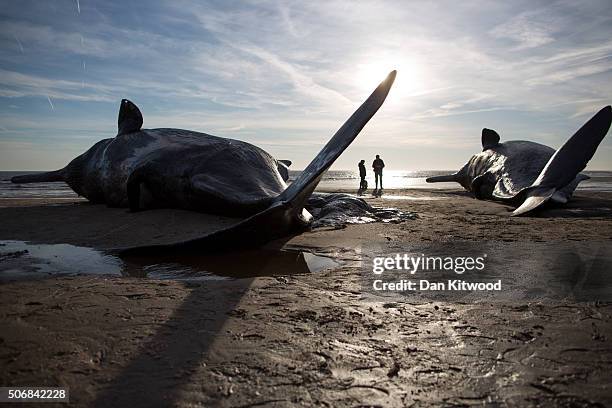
{"type": "Point", "coordinates": [409, 75]}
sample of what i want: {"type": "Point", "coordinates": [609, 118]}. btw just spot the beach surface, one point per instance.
{"type": "Point", "coordinates": [306, 338]}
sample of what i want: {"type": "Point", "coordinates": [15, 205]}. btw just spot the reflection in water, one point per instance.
{"type": "Point", "coordinates": [242, 264]}
{"type": "Point", "coordinates": [412, 198]}
{"type": "Point", "coordinates": [20, 260]}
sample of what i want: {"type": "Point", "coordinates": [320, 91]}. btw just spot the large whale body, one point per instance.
{"type": "Point", "coordinates": [149, 168]}
{"type": "Point", "coordinates": [155, 168]}
{"type": "Point", "coordinates": [529, 174]}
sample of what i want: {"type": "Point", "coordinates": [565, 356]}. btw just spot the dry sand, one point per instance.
{"type": "Point", "coordinates": [308, 339]}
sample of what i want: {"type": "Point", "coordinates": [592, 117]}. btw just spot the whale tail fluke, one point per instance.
{"type": "Point", "coordinates": [298, 192]}
{"type": "Point", "coordinates": [441, 179]}
{"type": "Point", "coordinates": [57, 175]}
{"type": "Point", "coordinates": [286, 213]}
{"type": "Point", "coordinates": [563, 167]}
{"type": "Point", "coordinates": [535, 198]}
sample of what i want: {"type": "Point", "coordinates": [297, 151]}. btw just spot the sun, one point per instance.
{"type": "Point", "coordinates": [409, 76]}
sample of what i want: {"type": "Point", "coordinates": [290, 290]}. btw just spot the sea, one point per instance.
{"type": "Point", "coordinates": [332, 180]}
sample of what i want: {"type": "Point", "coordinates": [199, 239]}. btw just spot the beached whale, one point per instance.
{"type": "Point", "coordinates": [150, 168]}
{"type": "Point", "coordinates": [172, 168]}
{"type": "Point", "coordinates": [529, 174]}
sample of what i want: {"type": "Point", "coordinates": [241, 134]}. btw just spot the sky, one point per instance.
{"type": "Point", "coordinates": [285, 75]}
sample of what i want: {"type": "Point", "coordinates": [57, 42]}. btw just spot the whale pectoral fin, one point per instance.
{"type": "Point", "coordinates": [502, 190]}
{"type": "Point", "coordinates": [130, 118]}
{"type": "Point", "coordinates": [535, 198]}
{"type": "Point", "coordinates": [489, 138]}
{"type": "Point", "coordinates": [483, 186]}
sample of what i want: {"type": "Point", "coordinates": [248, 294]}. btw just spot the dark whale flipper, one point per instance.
{"type": "Point", "coordinates": [298, 192]}
{"type": "Point", "coordinates": [489, 138]}
{"type": "Point", "coordinates": [563, 167]}
{"type": "Point", "coordinates": [286, 214]}
{"type": "Point", "coordinates": [56, 175]}
{"type": "Point", "coordinates": [130, 118]}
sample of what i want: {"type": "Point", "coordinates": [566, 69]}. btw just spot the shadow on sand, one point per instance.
{"type": "Point", "coordinates": [166, 362]}
{"type": "Point", "coordinates": [578, 207]}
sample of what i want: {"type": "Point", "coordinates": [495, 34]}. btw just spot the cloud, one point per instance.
{"type": "Point", "coordinates": [572, 63]}
{"type": "Point", "coordinates": [301, 82]}
{"type": "Point", "coordinates": [528, 30]}
{"type": "Point", "coordinates": [288, 73]}
{"type": "Point", "coordinates": [16, 85]}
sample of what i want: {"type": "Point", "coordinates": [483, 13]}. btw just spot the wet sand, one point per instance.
{"type": "Point", "coordinates": [306, 339]}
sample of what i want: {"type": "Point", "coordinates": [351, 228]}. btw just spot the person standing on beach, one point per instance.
{"type": "Point", "coordinates": [378, 166]}
{"type": "Point", "coordinates": [363, 184]}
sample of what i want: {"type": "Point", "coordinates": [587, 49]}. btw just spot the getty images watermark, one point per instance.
{"type": "Point", "coordinates": [413, 264]}
{"type": "Point", "coordinates": [488, 271]}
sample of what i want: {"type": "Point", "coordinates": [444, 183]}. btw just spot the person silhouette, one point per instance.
{"type": "Point", "coordinates": [363, 184]}
{"type": "Point", "coordinates": [378, 166]}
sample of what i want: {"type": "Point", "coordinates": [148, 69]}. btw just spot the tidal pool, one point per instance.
{"type": "Point", "coordinates": [21, 260]}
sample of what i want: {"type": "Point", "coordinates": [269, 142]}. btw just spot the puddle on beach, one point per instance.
{"type": "Point", "coordinates": [402, 197]}
{"type": "Point", "coordinates": [412, 198]}
{"type": "Point", "coordinates": [20, 261]}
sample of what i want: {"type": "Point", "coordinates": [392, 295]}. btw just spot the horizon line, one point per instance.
{"type": "Point", "coordinates": [290, 169]}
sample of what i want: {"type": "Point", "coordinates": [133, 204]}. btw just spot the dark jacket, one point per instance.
{"type": "Point", "coordinates": [378, 165]}
{"type": "Point", "coordinates": [362, 170]}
